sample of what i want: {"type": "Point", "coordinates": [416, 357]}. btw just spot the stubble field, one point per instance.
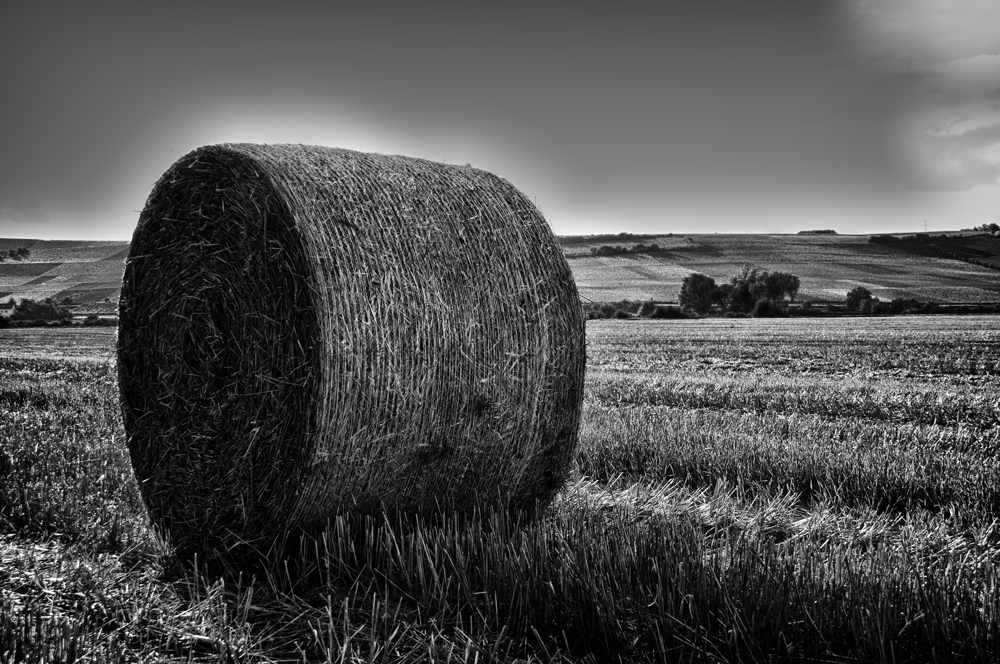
{"type": "Point", "coordinates": [744, 490]}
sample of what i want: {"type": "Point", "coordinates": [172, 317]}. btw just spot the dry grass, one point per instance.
{"type": "Point", "coordinates": [744, 491]}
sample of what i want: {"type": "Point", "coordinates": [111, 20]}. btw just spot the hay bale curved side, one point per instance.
{"type": "Point", "coordinates": [306, 331]}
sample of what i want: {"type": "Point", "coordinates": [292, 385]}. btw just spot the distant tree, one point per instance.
{"type": "Point", "coordinates": [780, 284]}
{"type": "Point", "coordinates": [739, 298]}
{"type": "Point", "coordinates": [722, 294]}
{"type": "Point", "coordinates": [751, 286]}
{"type": "Point", "coordinates": [45, 310]}
{"type": "Point", "coordinates": [856, 296]}
{"type": "Point", "coordinates": [866, 306]}
{"type": "Point", "coordinates": [23, 251]}
{"type": "Point", "coordinates": [647, 309]}
{"type": "Point", "coordinates": [697, 292]}
{"type": "Point", "coordinates": [67, 301]}
{"type": "Point", "coordinates": [768, 308]}
{"type": "Point", "coordinates": [882, 239]}
{"type": "Point", "coordinates": [12, 253]}
{"type": "Point", "coordinates": [668, 312]}
{"type": "Point", "coordinates": [742, 294]}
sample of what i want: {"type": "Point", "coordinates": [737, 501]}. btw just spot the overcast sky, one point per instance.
{"type": "Point", "coordinates": [709, 116]}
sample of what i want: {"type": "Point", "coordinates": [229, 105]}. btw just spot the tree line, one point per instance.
{"type": "Point", "coordinates": [31, 313]}
{"type": "Point", "coordinates": [20, 252]}
{"type": "Point", "coordinates": [754, 292]}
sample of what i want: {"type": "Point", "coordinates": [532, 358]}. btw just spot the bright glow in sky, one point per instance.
{"type": "Point", "coordinates": [774, 116]}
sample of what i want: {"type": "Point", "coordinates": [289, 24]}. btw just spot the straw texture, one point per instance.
{"type": "Point", "coordinates": [306, 331]}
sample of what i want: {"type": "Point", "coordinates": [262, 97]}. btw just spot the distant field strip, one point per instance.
{"type": "Point", "coordinates": [10, 269]}
{"type": "Point", "coordinates": [87, 272]}
{"type": "Point", "coordinates": [632, 277]}
{"type": "Point", "coordinates": [828, 267]}
{"type": "Point", "coordinates": [89, 344]}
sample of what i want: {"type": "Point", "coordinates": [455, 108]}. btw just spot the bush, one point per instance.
{"type": "Point", "coordinates": [46, 310]}
{"type": "Point", "coordinates": [856, 296]}
{"type": "Point", "coordinates": [593, 310]}
{"type": "Point", "coordinates": [667, 312]}
{"type": "Point", "coordinates": [647, 309]}
{"type": "Point", "coordinates": [94, 320]}
{"type": "Point", "coordinates": [697, 292]}
{"type": "Point", "coordinates": [883, 239]}
{"type": "Point", "coordinates": [767, 308]}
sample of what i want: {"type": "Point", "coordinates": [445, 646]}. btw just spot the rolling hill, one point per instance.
{"type": "Point", "coordinates": [89, 272]}
{"type": "Point", "coordinates": [827, 265]}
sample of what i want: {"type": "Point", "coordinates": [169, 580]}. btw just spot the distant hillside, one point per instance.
{"type": "Point", "coordinates": [86, 271]}
{"type": "Point", "coordinates": [828, 266]}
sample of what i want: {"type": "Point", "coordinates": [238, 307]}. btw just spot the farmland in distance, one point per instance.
{"type": "Point", "coordinates": [88, 272]}
{"type": "Point", "coordinates": [827, 265]}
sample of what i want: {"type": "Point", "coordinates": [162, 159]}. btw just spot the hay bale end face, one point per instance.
{"type": "Point", "coordinates": [307, 331]}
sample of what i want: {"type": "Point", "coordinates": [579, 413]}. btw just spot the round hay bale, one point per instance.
{"type": "Point", "coordinates": [307, 331]}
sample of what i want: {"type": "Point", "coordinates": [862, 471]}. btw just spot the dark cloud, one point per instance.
{"type": "Point", "coordinates": [924, 31]}
{"type": "Point", "coordinates": [992, 95]}
{"type": "Point", "coordinates": [959, 162]}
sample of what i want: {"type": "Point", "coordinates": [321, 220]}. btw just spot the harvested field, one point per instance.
{"type": "Point", "coordinates": [744, 491]}
{"type": "Point", "coordinates": [77, 344]}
